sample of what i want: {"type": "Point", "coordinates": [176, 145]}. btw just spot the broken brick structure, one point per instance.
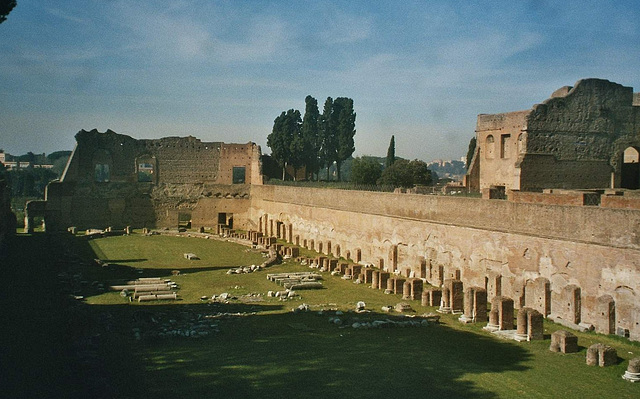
{"type": "Point", "coordinates": [585, 136]}
{"type": "Point", "coordinates": [115, 180]}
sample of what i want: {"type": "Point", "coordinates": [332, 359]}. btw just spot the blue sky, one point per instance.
{"type": "Point", "coordinates": [223, 70]}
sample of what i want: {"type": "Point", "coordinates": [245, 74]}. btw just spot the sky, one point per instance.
{"type": "Point", "coordinates": [224, 70]}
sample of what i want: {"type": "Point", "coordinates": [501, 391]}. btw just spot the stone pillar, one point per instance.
{"type": "Point", "coordinates": [529, 325]}
{"type": "Point", "coordinates": [521, 326]}
{"type": "Point", "coordinates": [475, 305]}
{"type": "Point", "coordinates": [601, 355]}
{"type": "Point", "coordinates": [563, 341]}
{"type": "Point", "coordinates": [633, 370]}
{"type": "Point", "coordinates": [456, 293]}
{"type": "Point", "coordinates": [445, 302]}
{"type": "Point", "coordinates": [433, 297]}
{"type": "Point", "coordinates": [605, 315]}
{"type": "Point", "coordinates": [28, 224]}
{"type": "Point", "coordinates": [368, 275]}
{"type": "Point", "coordinates": [505, 313]}
{"type": "Point", "coordinates": [406, 290]}
{"type": "Point", "coordinates": [535, 331]}
{"type": "Point", "coordinates": [375, 279]}
{"type": "Point", "coordinates": [501, 315]}
{"type": "Point", "coordinates": [393, 258]}
{"type": "Point", "coordinates": [384, 276]}
{"type": "Point", "coordinates": [416, 288]}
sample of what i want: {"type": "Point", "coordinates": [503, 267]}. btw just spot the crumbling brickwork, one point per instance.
{"type": "Point", "coordinates": [576, 139]}
{"type": "Point", "coordinates": [114, 180]}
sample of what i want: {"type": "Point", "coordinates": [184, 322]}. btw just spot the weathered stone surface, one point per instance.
{"type": "Point", "coordinates": [601, 355]}
{"type": "Point", "coordinates": [568, 141]}
{"type": "Point", "coordinates": [563, 341]}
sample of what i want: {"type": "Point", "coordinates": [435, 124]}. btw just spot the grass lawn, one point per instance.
{"type": "Point", "coordinates": [257, 347]}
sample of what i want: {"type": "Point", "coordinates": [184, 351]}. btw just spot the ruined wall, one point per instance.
{"type": "Point", "coordinates": [575, 139]}
{"type": "Point", "coordinates": [500, 139]}
{"type": "Point", "coordinates": [115, 180]}
{"type": "Point", "coordinates": [7, 218]}
{"type": "Point", "coordinates": [489, 243]}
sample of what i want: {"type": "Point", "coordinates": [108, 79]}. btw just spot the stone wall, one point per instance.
{"type": "Point", "coordinates": [510, 248]}
{"type": "Point", "coordinates": [115, 180]}
{"type": "Point", "coordinates": [7, 218]}
{"type": "Point", "coordinates": [573, 140]}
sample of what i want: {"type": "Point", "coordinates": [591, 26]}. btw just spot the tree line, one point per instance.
{"type": "Point", "coordinates": [395, 172]}
{"type": "Point", "coordinates": [315, 140]}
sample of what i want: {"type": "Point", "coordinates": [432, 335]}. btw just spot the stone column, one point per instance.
{"type": "Point", "coordinates": [375, 279]}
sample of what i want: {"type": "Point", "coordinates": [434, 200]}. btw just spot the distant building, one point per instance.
{"type": "Point", "coordinates": [9, 164]}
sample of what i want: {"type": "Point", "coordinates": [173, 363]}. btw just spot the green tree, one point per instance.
{"type": "Point", "coordinates": [328, 135]}
{"type": "Point", "coordinates": [5, 8]}
{"type": "Point", "coordinates": [365, 170]}
{"type": "Point", "coordinates": [297, 155]}
{"type": "Point", "coordinates": [470, 151]}
{"type": "Point", "coordinates": [391, 152]}
{"type": "Point", "coordinates": [346, 130]}
{"type": "Point", "coordinates": [285, 140]}
{"type": "Point", "coordinates": [404, 173]}
{"type": "Point", "coordinates": [311, 136]}
{"type": "Point", "coordinates": [278, 142]}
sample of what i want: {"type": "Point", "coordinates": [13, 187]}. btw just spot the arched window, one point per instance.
{"type": "Point", "coordinates": [102, 166]}
{"type": "Point", "coordinates": [490, 147]}
{"type": "Point", "coordinates": [145, 168]}
{"type": "Point", "coordinates": [631, 168]}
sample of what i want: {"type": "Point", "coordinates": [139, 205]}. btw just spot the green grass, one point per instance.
{"type": "Point", "coordinates": [262, 348]}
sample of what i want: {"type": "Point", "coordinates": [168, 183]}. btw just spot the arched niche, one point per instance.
{"type": "Point", "coordinates": [630, 171]}
{"type": "Point", "coordinates": [490, 147]}
{"type": "Point", "coordinates": [102, 166]}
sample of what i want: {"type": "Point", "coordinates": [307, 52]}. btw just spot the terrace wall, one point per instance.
{"type": "Point", "coordinates": [594, 248]}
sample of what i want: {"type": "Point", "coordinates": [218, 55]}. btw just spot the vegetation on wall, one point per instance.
{"type": "Point", "coordinates": [470, 151]}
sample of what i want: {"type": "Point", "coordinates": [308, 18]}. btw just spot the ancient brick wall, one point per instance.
{"type": "Point", "coordinates": [499, 139]}
{"type": "Point", "coordinates": [516, 247]}
{"type": "Point", "coordinates": [575, 139]}
{"type": "Point", "coordinates": [115, 180]}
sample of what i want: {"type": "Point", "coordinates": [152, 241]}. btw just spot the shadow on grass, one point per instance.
{"type": "Point", "coordinates": [57, 347]}
{"type": "Point", "coordinates": [269, 356]}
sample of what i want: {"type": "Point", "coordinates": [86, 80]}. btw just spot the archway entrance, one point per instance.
{"type": "Point", "coordinates": [630, 173]}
